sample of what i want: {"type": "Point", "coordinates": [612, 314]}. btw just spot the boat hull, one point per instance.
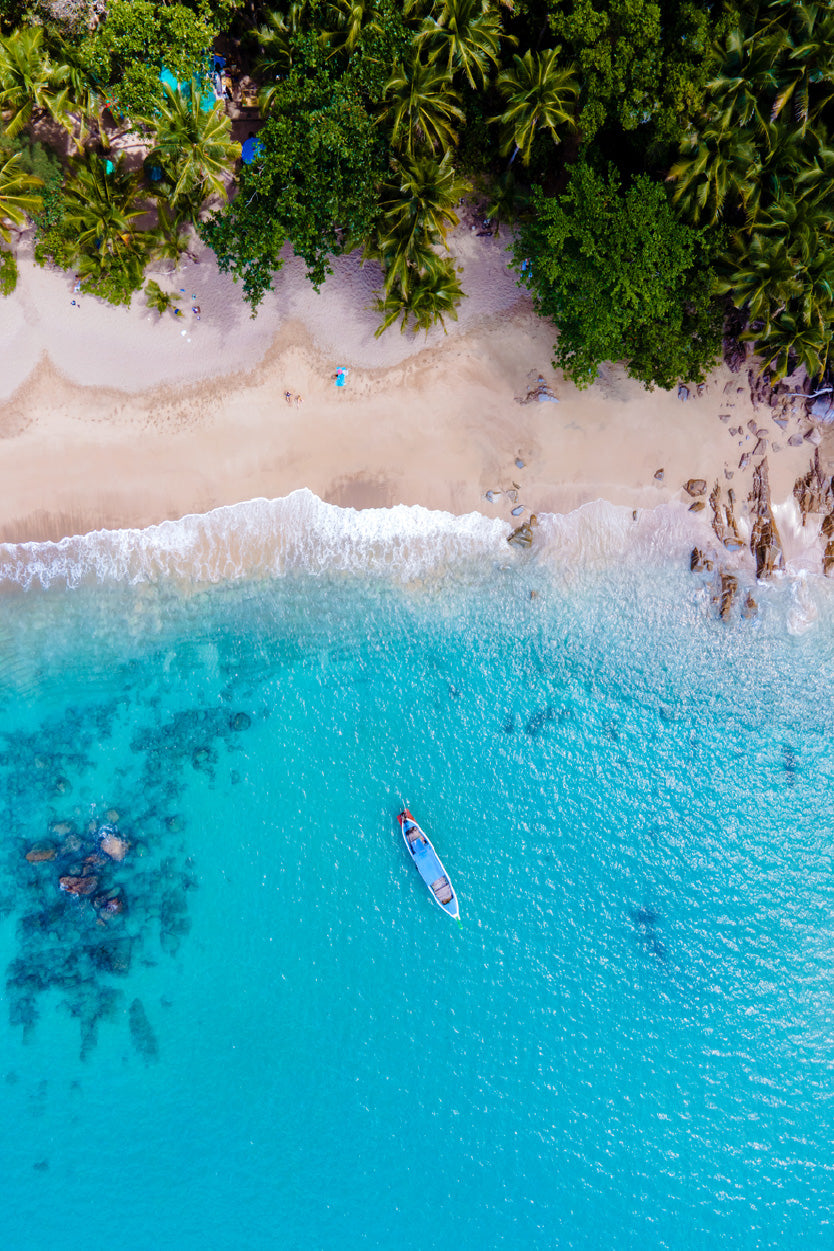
{"type": "Point", "coordinates": [428, 864]}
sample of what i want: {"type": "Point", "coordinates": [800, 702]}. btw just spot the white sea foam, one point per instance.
{"type": "Point", "coordinates": [299, 532]}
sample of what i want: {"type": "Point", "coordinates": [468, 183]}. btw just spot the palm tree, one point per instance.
{"type": "Point", "coordinates": [170, 240]}
{"type": "Point", "coordinates": [807, 68]}
{"type": "Point", "coordinates": [29, 82]}
{"type": "Point", "coordinates": [275, 58]}
{"type": "Point", "coordinates": [508, 200]}
{"type": "Point", "coordinates": [84, 97]}
{"type": "Point", "coordinates": [350, 17]}
{"type": "Point", "coordinates": [539, 96]}
{"type": "Point", "coordinates": [744, 71]}
{"type": "Point", "coordinates": [422, 107]}
{"type": "Point", "coordinates": [716, 166]}
{"type": "Point", "coordinates": [791, 340]}
{"type": "Point", "coordinates": [421, 196]}
{"type": "Point", "coordinates": [102, 210]}
{"type": "Point", "coordinates": [434, 295]}
{"type": "Point", "coordinates": [17, 195]}
{"type": "Point", "coordinates": [759, 276]}
{"type": "Point", "coordinates": [403, 257]}
{"type": "Point", "coordinates": [159, 299]}
{"type": "Point", "coordinates": [798, 224]}
{"type": "Point", "coordinates": [193, 146]}
{"type": "Point", "coordinates": [465, 35]}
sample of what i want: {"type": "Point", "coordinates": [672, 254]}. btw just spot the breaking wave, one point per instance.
{"type": "Point", "coordinates": [302, 533]}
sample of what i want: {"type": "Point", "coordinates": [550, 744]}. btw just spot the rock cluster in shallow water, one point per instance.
{"type": "Point", "coordinates": [96, 895]}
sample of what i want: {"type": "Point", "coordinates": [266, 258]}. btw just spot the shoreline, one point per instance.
{"type": "Point", "coordinates": [436, 421]}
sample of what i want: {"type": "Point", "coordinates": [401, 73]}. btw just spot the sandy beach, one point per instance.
{"type": "Point", "coordinates": [113, 417]}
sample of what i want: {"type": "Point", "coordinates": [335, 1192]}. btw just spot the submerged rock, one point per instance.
{"type": "Point", "coordinates": [78, 885]}
{"type": "Point", "coordinates": [241, 721]}
{"type": "Point", "coordinates": [114, 846]}
{"type": "Point", "coordinates": [141, 1031]}
{"type": "Point", "coordinates": [41, 851]}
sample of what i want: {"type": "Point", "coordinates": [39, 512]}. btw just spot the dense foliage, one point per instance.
{"type": "Point", "coordinates": [659, 161]}
{"type": "Point", "coordinates": [622, 277]}
{"type": "Point", "coordinates": [314, 182]}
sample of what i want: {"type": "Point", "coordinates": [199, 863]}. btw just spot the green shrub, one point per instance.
{"type": "Point", "coordinates": [8, 272]}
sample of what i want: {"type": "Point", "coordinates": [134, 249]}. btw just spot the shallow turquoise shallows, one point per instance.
{"type": "Point", "coordinates": [283, 1043]}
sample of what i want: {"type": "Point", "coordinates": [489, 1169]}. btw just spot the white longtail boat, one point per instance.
{"type": "Point", "coordinates": [428, 864]}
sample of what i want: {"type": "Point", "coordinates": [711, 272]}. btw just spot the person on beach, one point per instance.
{"type": "Point", "coordinates": [196, 311]}
{"type": "Point", "coordinates": [288, 396]}
{"type": "Point", "coordinates": [299, 400]}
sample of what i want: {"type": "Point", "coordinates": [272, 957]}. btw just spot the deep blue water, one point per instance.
{"type": "Point", "coordinates": [627, 1044]}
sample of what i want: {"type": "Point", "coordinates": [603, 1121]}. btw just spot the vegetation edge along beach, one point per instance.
{"type": "Point", "coordinates": [657, 174]}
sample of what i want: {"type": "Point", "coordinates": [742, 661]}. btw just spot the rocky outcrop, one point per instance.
{"type": "Point", "coordinates": [78, 885]}
{"type": "Point", "coordinates": [728, 590]}
{"type": "Point", "coordinates": [40, 852]}
{"type": "Point", "coordinates": [522, 536]}
{"type": "Point", "coordinates": [812, 491]}
{"type": "Point", "coordinates": [765, 543]}
{"type": "Point", "coordinates": [695, 486]}
{"type": "Point", "coordinates": [114, 846]}
{"type": "Point", "coordinates": [699, 561]}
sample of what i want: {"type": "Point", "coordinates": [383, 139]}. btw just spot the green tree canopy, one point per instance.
{"type": "Point", "coordinates": [313, 184]}
{"type": "Point", "coordinates": [137, 39]}
{"type": "Point", "coordinates": [622, 278]}
{"type": "Point", "coordinates": [640, 61]}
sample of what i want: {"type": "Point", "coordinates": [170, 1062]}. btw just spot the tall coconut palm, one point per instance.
{"type": "Point", "coordinates": [29, 82]}
{"type": "Point", "coordinates": [433, 297]}
{"type": "Point", "coordinates": [807, 66]}
{"type": "Point", "coordinates": [18, 195]}
{"type": "Point", "coordinates": [349, 18]}
{"type": "Point", "coordinates": [405, 260]}
{"type": "Point", "coordinates": [275, 57]}
{"type": "Point", "coordinates": [463, 35]}
{"type": "Point", "coordinates": [798, 224]}
{"type": "Point", "coordinates": [790, 340]}
{"type": "Point", "coordinates": [758, 276]}
{"type": "Point", "coordinates": [193, 147]}
{"type": "Point", "coordinates": [85, 100]}
{"type": "Point", "coordinates": [171, 241]}
{"type": "Point", "coordinates": [421, 196]}
{"type": "Point", "coordinates": [717, 169]}
{"type": "Point", "coordinates": [161, 300]}
{"type": "Point", "coordinates": [421, 107]}
{"type": "Point", "coordinates": [744, 72]}
{"type": "Point", "coordinates": [102, 208]}
{"type": "Point", "coordinates": [540, 96]}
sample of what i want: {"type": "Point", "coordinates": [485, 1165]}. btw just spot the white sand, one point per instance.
{"type": "Point", "coordinates": [113, 417]}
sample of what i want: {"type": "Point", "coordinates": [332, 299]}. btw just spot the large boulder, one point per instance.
{"type": "Point", "coordinates": [695, 486]}
{"type": "Point", "coordinates": [78, 885]}
{"type": "Point", "coordinates": [41, 851]}
{"type": "Point", "coordinates": [113, 845]}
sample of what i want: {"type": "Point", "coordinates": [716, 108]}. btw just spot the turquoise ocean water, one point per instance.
{"type": "Point", "coordinates": [282, 1042]}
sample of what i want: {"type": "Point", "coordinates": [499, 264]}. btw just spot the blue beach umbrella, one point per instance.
{"type": "Point", "coordinates": [250, 149]}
